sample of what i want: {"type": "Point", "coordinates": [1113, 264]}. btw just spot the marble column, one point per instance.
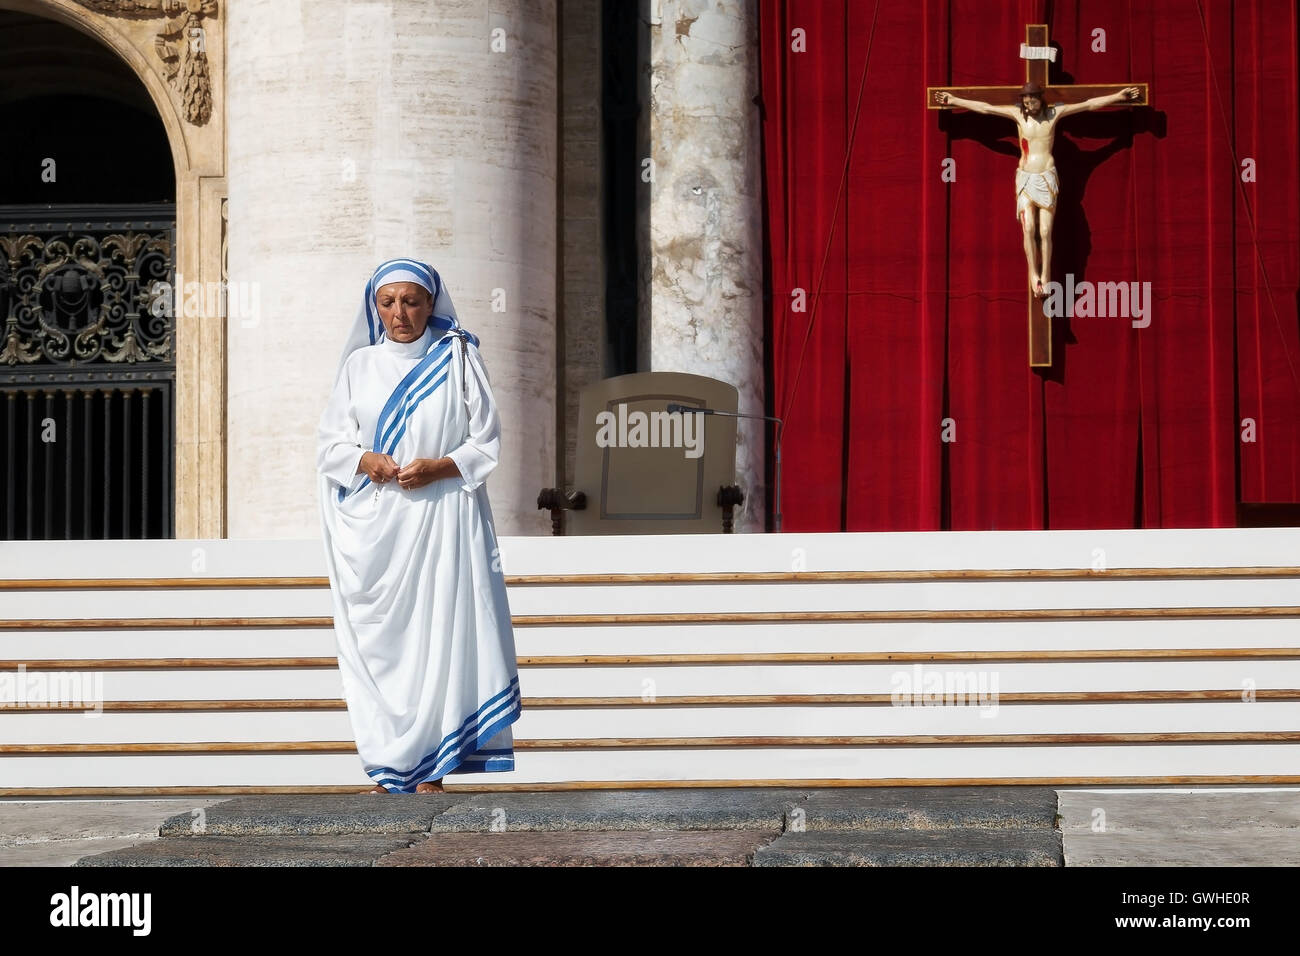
{"type": "Point", "coordinates": [361, 131]}
{"type": "Point", "coordinates": [702, 267]}
{"type": "Point", "coordinates": [582, 221]}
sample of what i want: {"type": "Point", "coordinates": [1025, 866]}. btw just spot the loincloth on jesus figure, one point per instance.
{"type": "Point", "coordinates": [1040, 189]}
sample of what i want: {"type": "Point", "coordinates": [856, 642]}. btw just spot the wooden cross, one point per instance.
{"type": "Point", "coordinates": [1036, 52]}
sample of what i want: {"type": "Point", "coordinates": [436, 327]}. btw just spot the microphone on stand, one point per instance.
{"type": "Point", "coordinates": [675, 407]}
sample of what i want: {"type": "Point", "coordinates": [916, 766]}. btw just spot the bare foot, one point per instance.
{"type": "Point", "coordinates": [430, 786]}
{"type": "Point", "coordinates": [377, 788]}
{"type": "Point", "coordinates": [1039, 291]}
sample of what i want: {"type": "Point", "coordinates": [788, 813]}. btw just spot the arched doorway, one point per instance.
{"type": "Point", "coordinates": [132, 95]}
{"type": "Point", "coordinates": [87, 238]}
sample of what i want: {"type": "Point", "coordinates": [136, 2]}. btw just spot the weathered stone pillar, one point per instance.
{"type": "Point", "coordinates": [364, 131]}
{"type": "Point", "coordinates": [702, 293]}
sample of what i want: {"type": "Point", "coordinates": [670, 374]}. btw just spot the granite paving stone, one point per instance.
{"type": "Point", "coordinates": [585, 848]}
{"type": "Point", "coordinates": [924, 808]}
{"type": "Point", "coordinates": [720, 808]}
{"type": "Point", "coordinates": [340, 849]}
{"type": "Point", "coordinates": [322, 814]}
{"type": "Point", "coordinates": [964, 847]}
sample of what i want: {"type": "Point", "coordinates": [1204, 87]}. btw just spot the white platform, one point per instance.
{"type": "Point", "coordinates": [1133, 654]}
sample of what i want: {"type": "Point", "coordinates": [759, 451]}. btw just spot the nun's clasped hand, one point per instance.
{"type": "Point", "coordinates": [417, 474]}
{"type": "Point", "coordinates": [422, 471]}
{"type": "Point", "coordinates": [380, 469]}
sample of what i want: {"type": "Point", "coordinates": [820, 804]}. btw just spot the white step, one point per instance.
{"type": "Point", "coordinates": [581, 723]}
{"type": "Point", "coordinates": [646, 680]}
{"type": "Point", "coordinates": [1077, 765]}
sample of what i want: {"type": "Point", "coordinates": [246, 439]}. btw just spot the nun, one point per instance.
{"type": "Point", "coordinates": [425, 645]}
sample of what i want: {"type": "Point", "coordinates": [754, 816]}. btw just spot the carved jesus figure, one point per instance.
{"type": "Point", "coordinates": [1036, 181]}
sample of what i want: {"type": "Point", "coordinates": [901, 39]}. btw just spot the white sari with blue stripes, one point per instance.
{"type": "Point", "coordinates": [425, 643]}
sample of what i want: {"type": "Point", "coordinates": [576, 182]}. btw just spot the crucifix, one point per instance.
{"type": "Point", "coordinates": [1036, 108]}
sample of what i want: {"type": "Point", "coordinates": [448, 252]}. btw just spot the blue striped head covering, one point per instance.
{"type": "Point", "coordinates": [368, 328]}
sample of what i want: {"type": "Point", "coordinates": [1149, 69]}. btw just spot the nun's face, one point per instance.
{"type": "Point", "coordinates": [405, 308]}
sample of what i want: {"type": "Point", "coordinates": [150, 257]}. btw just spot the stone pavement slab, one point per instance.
{"type": "Point", "coordinates": [341, 849]}
{"type": "Point", "coordinates": [584, 848]}
{"type": "Point", "coordinates": [1238, 846]}
{"type": "Point", "coordinates": [1171, 828]}
{"type": "Point", "coordinates": [60, 832]}
{"type": "Point", "coordinates": [305, 814]}
{"type": "Point", "coordinates": [949, 847]}
{"type": "Point", "coordinates": [721, 808]}
{"type": "Point", "coordinates": [925, 808]}
{"type": "Point", "coordinates": [693, 827]}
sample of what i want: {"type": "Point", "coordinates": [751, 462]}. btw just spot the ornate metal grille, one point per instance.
{"type": "Point", "coordinates": [87, 371]}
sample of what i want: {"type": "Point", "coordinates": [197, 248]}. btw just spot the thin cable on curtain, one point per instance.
{"type": "Point", "coordinates": [1245, 200]}
{"type": "Point", "coordinates": [835, 212]}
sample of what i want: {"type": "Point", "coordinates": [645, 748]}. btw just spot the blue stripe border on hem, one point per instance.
{"type": "Point", "coordinates": [464, 750]}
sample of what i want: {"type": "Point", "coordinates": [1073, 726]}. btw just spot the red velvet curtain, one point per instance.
{"type": "Point", "coordinates": [897, 313]}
